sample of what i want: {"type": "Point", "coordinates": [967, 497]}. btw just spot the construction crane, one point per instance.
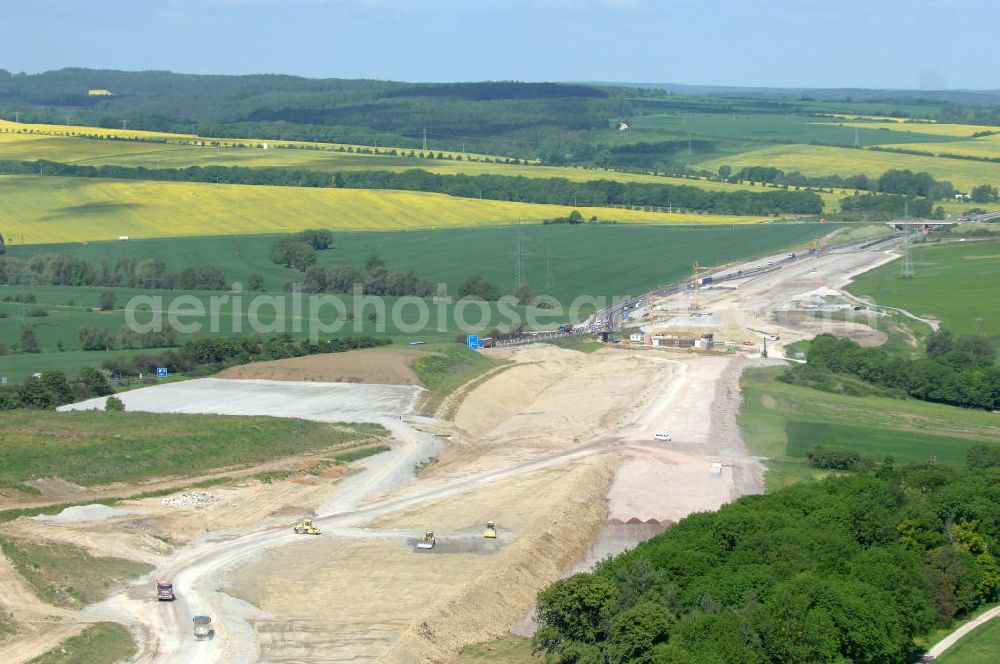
{"type": "Point", "coordinates": [699, 279]}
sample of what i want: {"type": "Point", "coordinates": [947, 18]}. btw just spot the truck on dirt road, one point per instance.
{"type": "Point", "coordinates": [164, 591]}
{"type": "Point", "coordinates": [202, 628]}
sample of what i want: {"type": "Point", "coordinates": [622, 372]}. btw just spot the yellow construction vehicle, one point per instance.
{"type": "Point", "coordinates": [427, 541]}
{"type": "Point", "coordinates": [306, 528]}
{"type": "Point", "coordinates": [491, 530]}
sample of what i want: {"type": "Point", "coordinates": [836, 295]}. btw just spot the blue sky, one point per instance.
{"type": "Point", "coordinates": [788, 43]}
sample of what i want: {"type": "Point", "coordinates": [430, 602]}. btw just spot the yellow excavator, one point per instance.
{"type": "Point", "coordinates": [491, 530]}
{"type": "Point", "coordinates": [306, 528]}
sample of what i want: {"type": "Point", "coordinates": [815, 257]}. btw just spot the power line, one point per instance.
{"type": "Point", "coordinates": [519, 255]}
{"type": "Point", "coordinates": [548, 270]}
{"type": "Point", "coordinates": [906, 270]}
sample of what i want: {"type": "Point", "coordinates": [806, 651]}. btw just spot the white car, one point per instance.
{"type": "Point", "coordinates": [664, 437]}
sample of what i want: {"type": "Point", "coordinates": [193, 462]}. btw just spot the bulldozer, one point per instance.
{"type": "Point", "coordinates": [427, 541]}
{"type": "Point", "coordinates": [306, 528]}
{"type": "Point", "coordinates": [491, 530]}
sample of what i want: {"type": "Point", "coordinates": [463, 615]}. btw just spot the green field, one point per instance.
{"type": "Point", "coordinates": [955, 283]}
{"type": "Point", "coordinates": [980, 646]}
{"type": "Point", "coordinates": [97, 448]}
{"type": "Point", "coordinates": [17, 367]}
{"type": "Point", "coordinates": [786, 128]}
{"type": "Point", "coordinates": [598, 260]}
{"type": "Point", "coordinates": [782, 422]}
{"type": "Point", "coordinates": [67, 576]}
{"type": "Point", "coordinates": [100, 643]}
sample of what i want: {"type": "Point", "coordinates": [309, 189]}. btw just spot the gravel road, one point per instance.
{"type": "Point", "coordinates": [324, 402]}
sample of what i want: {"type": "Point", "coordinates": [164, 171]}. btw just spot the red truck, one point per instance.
{"type": "Point", "coordinates": [164, 591]}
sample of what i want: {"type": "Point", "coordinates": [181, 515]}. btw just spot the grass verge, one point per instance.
{"type": "Point", "coordinates": [449, 368]}
{"type": "Point", "coordinates": [358, 454]}
{"type": "Point", "coordinates": [100, 643]}
{"type": "Point", "coordinates": [782, 422]}
{"type": "Point", "coordinates": [506, 649]}
{"type": "Point", "coordinates": [67, 576]}
{"type": "Point", "coordinates": [980, 646]}
{"type": "Point", "coordinates": [583, 343]}
{"type": "Point", "coordinates": [94, 448]}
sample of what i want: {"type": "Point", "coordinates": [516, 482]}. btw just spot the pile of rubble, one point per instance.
{"type": "Point", "coordinates": [190, 499]}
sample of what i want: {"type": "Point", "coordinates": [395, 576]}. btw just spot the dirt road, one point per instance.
{"type": "Point", "coordinates": [557, 449]}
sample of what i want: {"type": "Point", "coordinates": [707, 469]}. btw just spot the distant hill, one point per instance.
{"type": "Point", "coordinates": [508, 115]}
{"type": "Point", "coordinates": [557, 123]}
{"type": "Point", "coordinates": [962, 97]}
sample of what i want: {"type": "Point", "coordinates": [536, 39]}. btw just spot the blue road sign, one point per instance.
{"type": "Point", "coordinates": [161, 372]}
{"type": "Point", "coordinates": [473, 341]}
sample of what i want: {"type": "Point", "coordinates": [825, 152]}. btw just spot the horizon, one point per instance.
{"type": "Point", "coordinates": [714, 44]}
{"type": "Point", "coordinates": [627, 84]}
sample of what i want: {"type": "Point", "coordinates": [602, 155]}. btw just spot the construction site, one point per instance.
{"type": "Point", "coordinates": [537, 469]}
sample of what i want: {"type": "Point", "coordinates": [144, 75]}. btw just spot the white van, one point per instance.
{"type": "Point", "coordinates": [662, 437]}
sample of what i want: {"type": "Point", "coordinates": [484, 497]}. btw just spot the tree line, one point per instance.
{"type": "Point", "coordinates": [848, 569]}
{"type": "Point", "coordinates": [376, 279]}
{"type": "Point", "coordinates": [203, 355]}
{"type": "Point", "coordinates": [893, 181]}
{"type": "Point", "coordinates": [558, 191]}
{"type": "Point", "coordinates": [959, 371]}
{"type": "Point", "coordinates": [65, 269]}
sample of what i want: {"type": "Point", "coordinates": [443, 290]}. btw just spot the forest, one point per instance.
{"type": "Point", "coordinates": [854, 568]}
{"type": "Point", "coordinates": [959, 371]}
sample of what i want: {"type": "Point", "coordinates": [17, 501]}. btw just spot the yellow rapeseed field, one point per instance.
{"type": "Point", "coordinates": [854, 116]}
{"type": "Point", "coordinates": [824, 160]}
{"type": "Point", "coordinates": [37, 209]}
{"type": "Point", "coordinates": [987, 146]}
{"type": "Point", "coordinates": [24, 129]}
{"type": "Point", "coordinates": [937, 129]}
{"type": "Point", "coordinates": [181, 154]}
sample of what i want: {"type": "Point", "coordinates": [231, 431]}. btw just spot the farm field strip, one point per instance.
{"type": "Point", "coordinates": [70, 149]}
{"type": "Point", "coordinates": [818, 160]}
{"type": "Point", "coordinates": [44, 209]}
{"type": "Point", "coordinates": [935, 128]}
{"type": "Point", "coordinates": [86, 132]}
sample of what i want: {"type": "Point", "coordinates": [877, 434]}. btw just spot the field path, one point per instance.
{"type": "Point", "coordinates": [40, 626]}
{"type": "Point", "coordinates": [953, 638]}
